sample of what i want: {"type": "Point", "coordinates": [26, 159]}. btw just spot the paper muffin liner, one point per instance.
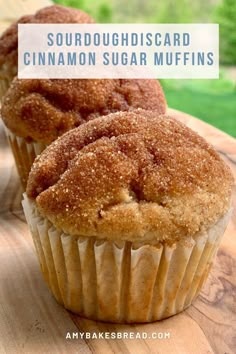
{"type": "Point", "coordinates": [122, 281]}
{"type": "Point", "coordinates": [24, 154]}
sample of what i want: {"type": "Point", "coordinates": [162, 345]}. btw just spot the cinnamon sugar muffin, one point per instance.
{"type": "Point", "coordinates": [9, 39]}
{"type": "Point", "coordinates": [126, 213]}
{"type": "Point", "coordinates": [36, 112]}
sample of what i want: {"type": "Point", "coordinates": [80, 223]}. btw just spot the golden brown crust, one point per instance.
{"type": "Point", "coordinates": [42, 110]}
{"type": "Point", "coordinates": [50, 14]}
{"type": "Point", "coordinates": [131, 175]}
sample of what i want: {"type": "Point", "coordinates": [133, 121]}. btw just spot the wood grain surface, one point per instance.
{"type": "Point", "coordinates": [32, 322]}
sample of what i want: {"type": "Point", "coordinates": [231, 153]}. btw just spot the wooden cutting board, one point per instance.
{"type": "Point", "coordinates": [32, 322]}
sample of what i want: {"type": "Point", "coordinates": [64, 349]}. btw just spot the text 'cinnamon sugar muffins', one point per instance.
{"type": "Point", "coordinates": [36, 112]}
{"type": "Point", "coordinates": [126, 213]}
{"type": "Point", "coordinates": [9, 39]}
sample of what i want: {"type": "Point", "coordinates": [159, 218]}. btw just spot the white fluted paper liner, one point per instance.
{"type": "Point", "coordinates": [24, 154]}
{"type": "Point", "coordinates": [123, 281]}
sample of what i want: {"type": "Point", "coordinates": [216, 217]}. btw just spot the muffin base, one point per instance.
{"type": "Point", "coordinates": [24, 154]}
{"type": "Point", "coordinates": [122, 282]}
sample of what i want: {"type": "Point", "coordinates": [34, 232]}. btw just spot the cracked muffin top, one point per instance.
{"type": "Point", "coordinates": [135, 176]}
{"type": "Point", "coordinates": [50, 14]}
{"type": "Point", "coordinates": [41, 110]}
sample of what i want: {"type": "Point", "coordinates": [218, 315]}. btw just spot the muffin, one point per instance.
{"type": "Point", "coordinates": [9, 39]}
{"type": "Point", "coordinates": [126, 213]}
{"type": "Point", "coordinates": [36, 112]}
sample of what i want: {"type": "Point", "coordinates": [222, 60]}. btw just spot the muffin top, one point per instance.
{"type": "Point", "coordinates": [136, 176]}
{"type": "Point", "coordinates": [50, 14]}
{"type": "Point", "coordinates": [42, 110]}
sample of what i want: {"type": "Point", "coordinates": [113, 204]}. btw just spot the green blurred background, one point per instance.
{"type": "Point", "coordinates": [213, 101]}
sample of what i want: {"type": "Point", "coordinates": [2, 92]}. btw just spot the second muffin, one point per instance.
{"type": "Point", "coordinates": [36, 112]}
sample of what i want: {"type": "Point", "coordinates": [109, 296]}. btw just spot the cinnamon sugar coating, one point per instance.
{"type": "Point", "coordinates": [133, 176]}
{"type": "Point", "coordinates": [42, 110]}
{"type": "Point", "coordinates": [50, 14]}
